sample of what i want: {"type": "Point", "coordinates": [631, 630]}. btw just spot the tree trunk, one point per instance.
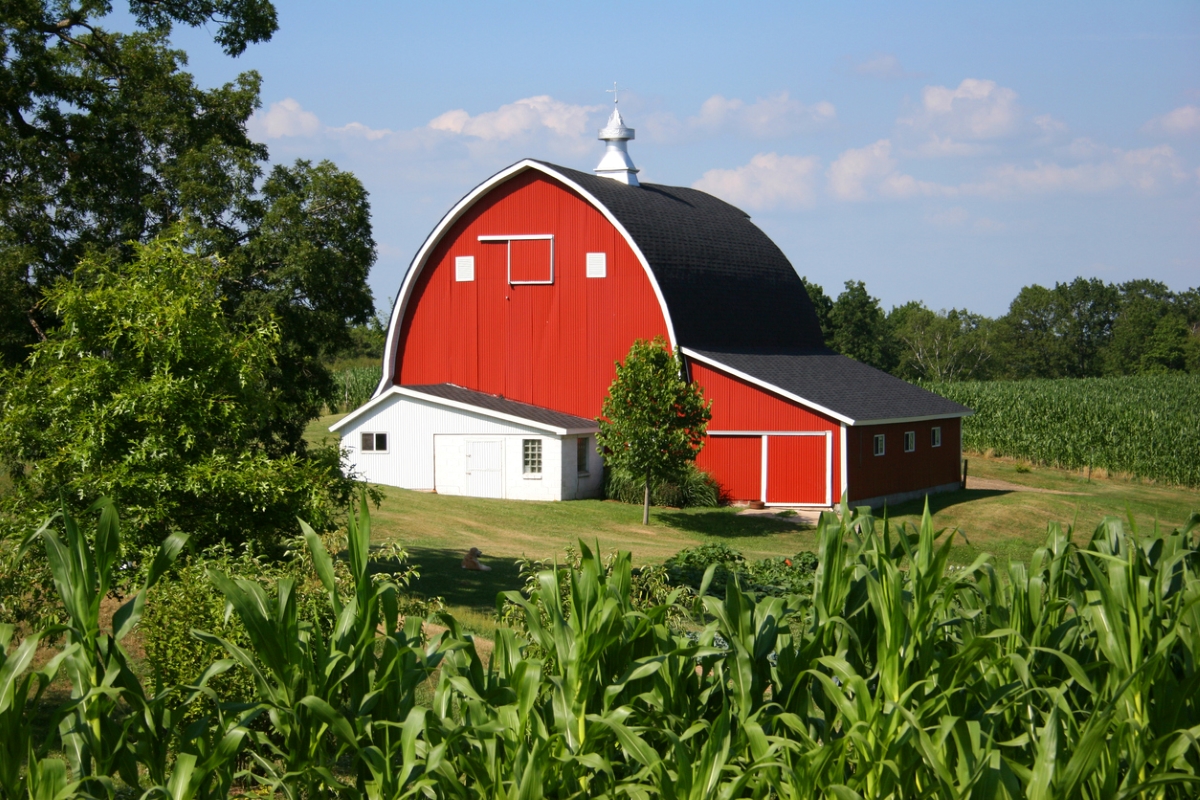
{"type": "Point", "coordinates": [646, 506]}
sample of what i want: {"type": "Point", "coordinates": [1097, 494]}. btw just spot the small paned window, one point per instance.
{"type": "Point", "coordinates": [464, 268]}
{"type": "Point", "coordinates": [879, 444]}
{"type": "Point", "coordinates": [531, 456]}
{"type": "Point", "coordinates": [374, 443]}
{"type": "Point", "coordinates": [597, 265]}
{"type": "Point", "coordinates": [581, 455]}
{"type": "Point", "coordinates": [935, 436]}
{"type": "Point", "coordinates": [910, 441]}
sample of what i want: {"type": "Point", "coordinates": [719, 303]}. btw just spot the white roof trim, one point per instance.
{"type": "Point", "coordinates": [810, 404]}
{"type": "Point", "coordinates": [404, 391]}
{"type": "Point", "coordinates": [453, 215]}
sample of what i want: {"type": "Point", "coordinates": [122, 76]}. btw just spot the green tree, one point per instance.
{"type": "Point", "coordinates": [108, 141]}
{"type": "Point", "coordinates": [822, 305]}
{"type": "Point", "coordinates": [940, 345]}
{"type": "Point", "coordinates": [860, 328]}
{"type": "Point", "coordinates": [653, 420]}
{"type": "Point", "coordinates": [149, 394]}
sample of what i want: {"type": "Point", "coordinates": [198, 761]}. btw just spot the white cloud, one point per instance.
{"type": "Point", "coordinates": [1181, 121]}
{"type": "Point", "coordinates": [883, 65]}
{"type": "Point", "coordinates": [850, 173]}
{"type": "Point", "coordinates": [863, 172]}
{"type": "Point", "coordinates": [768, 181]}
{"type": "Point", "coordinates": [976, 109]}
{"type": "Point", "coordinates": [1049, 125]}
{"type": "Point", "coordinates": [358, 130]}
{"type": "Point", "coordinates": [520, 119]}
{"type": "Point", "coordinates": [285, 118]}
{"type": "Point", "coordinates": [775, 116]}
{"type": "Point", "coordinates": [948, 218]}
{"type": "Point", "coordinates": [937, 147]}
{"type": "Point", "coordinates": [1149, 169]}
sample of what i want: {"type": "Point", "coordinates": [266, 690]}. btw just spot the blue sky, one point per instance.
{"type": "Point", "coordinates": [946, 152]}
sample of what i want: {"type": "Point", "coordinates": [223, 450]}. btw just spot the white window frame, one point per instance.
{"type": "Point", "coordinates": [880, 444]}
{"type": "Point", "coordinates": [527, 461]}
{"type": "Point", "coordinates": [910, 441]}
{"type": "Point", "coordinates": [464, 269]}
{"type": "Point", "coordinates": [523, 237]}
{"type": "Point", "coordinates": [596, 265]}
{"type": "Point", "coordinates": [935, 436]}
{"type": "Point", "coordinates": [374, 441]}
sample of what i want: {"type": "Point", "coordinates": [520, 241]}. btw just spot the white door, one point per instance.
{"type": "Point", "coordinates": [485, 469]}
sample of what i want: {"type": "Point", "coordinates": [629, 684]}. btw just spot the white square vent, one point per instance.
{"type": "Point", "coordinates": [464, 268]}
{"type": "Point", "coordinates": [597, 265]}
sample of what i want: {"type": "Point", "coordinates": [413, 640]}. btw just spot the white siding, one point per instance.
{"type": "Point", "coordinates": [427, 446]}
{"type": "Point", "coordinates": [411, 425]}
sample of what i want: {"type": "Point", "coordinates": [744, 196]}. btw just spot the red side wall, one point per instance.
{"type": "Point", "coordinates": [736, 462]}
{"type": "Point", "coordinates": [897, 471]}
{"type": "Point", "coordinates": [553, 346]}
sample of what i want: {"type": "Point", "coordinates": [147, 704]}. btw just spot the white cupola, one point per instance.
{"type": "Point", "coordinates": [616, 163]}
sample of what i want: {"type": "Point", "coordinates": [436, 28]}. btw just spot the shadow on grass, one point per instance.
{"type": "Point", "coordinates": [442, 576]}
{"type": "Point", "coordinates": [726, 524]}
{"type": "Point", "coordinates": [940, 501]}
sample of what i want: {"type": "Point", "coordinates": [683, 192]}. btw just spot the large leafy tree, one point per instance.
{"type": "Point", "coordinates": [860, 328]}
{"type": "Point", "coordinates": [107, 141]}
{"type": "Point", "coordinates": [150, 394]}
{"type": "Point", "coordinates": [940, 345]}
{"type": "Point", "coordinates": [653, 420]}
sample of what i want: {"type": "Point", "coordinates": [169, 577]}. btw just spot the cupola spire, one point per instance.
{"type": "Point", "coordinates": [616, 163]}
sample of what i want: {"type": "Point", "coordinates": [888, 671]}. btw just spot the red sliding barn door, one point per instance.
{"type": "Point", "coordinates": [738, 460]}
{"type": "Point", "coordinates": [798, 470]}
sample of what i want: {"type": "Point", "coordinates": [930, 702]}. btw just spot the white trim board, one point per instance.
{"type": "Point", "coordinates": [770, 387]}
{"type": "Point", "coordinates": [394, 391]}
{"type": "Point", "coordinates": [417, 266]}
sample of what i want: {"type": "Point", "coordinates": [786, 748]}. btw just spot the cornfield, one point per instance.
{"type": "Point", "coordinates": [1147, 426]}
{"type": "Point", "coordinates": [1075, 676]}
{"type": "Point", "coordinates": [355, 387]}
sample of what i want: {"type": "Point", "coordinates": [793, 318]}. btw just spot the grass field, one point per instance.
{"type": "Point", "coordinates": [996, 518]}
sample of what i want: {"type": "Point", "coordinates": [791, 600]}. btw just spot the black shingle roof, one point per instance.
{"type": "Point", "coordinates": [842, 385]}
{"type": "Point", "coordinates": [557, 419]}
{"type": "Point", "coordinates": [727, 285]}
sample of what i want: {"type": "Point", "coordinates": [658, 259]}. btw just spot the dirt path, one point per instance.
{"type": "Point", "coordinates": [1005, 486]}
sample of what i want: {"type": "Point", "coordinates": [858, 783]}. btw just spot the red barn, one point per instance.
{"type": "Point", "coordinates": [503, 339]}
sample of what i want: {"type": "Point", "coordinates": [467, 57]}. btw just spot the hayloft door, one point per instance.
{"type": "Point", "coordinates": [485, 468]}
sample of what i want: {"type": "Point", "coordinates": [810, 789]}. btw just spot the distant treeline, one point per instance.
{"type": "Point", "coordinates": [1082, 329]}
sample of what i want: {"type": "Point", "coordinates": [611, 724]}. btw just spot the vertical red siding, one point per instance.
{"type": "Point", "coordinates": [796, 468]}
{"type": "Point", "coordinates": [740, 406]}
{"type": "Point", "coordinates": [553, 346]}
{"type": "Point", "coordinates": [896, 471]}
{"type": "Point", "coordinates": [736, 462]}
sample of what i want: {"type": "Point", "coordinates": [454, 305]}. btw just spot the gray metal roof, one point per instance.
{"type": "Point", "coordinates": [848, 388]}
{"type": "Point", "coordinates": [501, 405]}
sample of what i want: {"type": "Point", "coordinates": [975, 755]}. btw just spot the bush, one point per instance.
{"type": "Point", "coordinates": [776, 576]}
{"type": "Point", "coordinates": [697, 489]}
{"type": "Point", "coordinates": [187, 600]}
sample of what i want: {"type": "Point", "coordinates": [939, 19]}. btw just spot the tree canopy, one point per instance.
{"type": "Point", "coordinates": [150, 394]}
{"type": "Point", "coordinates": [107, 142]}
{"type": "Point", "coordinates": [653, 420]}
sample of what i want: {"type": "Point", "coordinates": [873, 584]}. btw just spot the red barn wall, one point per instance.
{"type": "Point", "coordinates": [896, 471]}
{"type": "Point", "coordinates": [736, 462]}
{"type": "Point", "coordinates": [552, 345]}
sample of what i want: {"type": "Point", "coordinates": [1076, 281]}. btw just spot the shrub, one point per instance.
{"type": "Point", "coordinates": [696, 489]}
{"type": "Point", "coordinates": [776, 576]}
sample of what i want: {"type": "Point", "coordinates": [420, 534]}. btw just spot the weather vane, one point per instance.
{"type": "Point", "coordinates": [614, 92]}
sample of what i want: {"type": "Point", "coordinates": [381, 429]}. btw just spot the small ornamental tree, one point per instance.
{"type": "Point", "coordinates": [148, 393]}
{"type": "Point", "coordinates": [653, 421]}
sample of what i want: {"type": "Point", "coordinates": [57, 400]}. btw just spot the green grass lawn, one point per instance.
{"type": "Point", "coordinates": [437, 529]}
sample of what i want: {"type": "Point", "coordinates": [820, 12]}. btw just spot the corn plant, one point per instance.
{"type": "Point", "coordinates": [1141, 425]}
